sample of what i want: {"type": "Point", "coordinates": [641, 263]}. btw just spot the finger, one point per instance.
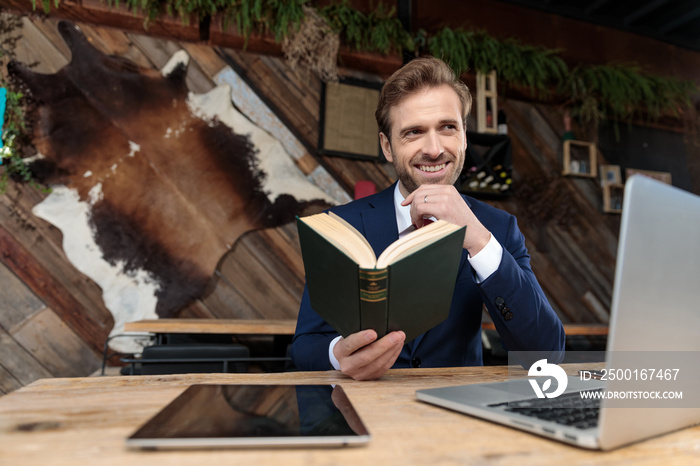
{"type": "Point", "coordinates": [387, 361]}
{"type": "Point", "coordinates": [372, 363]}
{"type": "Point", "coordinates": [370, 353]}
{"type": "Point", "coordinates": [347, 346]}
{"type": "Point", "coordinates": [441, 204]}
{"type": "Point", "coordinates": [408, 199]}
{"type": "Point", "coordinates": [420, 212]}
{"type": "Point", "coordinates": [364, 361]}
{"type": "Point", "coordinates": [419, 194]}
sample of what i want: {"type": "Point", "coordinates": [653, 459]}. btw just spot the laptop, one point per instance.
{"type": "Point", "coordinates": [653, 339]}
{"type": "Point", "coordinates": [228, 415]}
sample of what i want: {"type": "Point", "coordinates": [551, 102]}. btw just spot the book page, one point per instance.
{"type": "Point", "coordinates": [415, 241]}
{"type": "Point", "coordinates": [344, 237]}
{"type": "Point", "coordinates": [351, 229]}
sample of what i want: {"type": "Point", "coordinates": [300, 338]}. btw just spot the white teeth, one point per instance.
{"type": "Point", "coordinates": [432, 168]}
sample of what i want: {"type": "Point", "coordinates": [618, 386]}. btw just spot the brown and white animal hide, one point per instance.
{"type": "Point", "coordinates": [151, 186]}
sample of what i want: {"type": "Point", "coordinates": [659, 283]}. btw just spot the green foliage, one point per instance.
{"type": "Point", "coordinates": [263, 16]}
{"type": "Point", "coordinates": [622, 91]}
{"type": "Point", "coordinates": [524, 65]}
{"type": "Point", "coordinates": [593, 92]}
{"type": "Point", "coordinates": [380, 31]}
{"type": "Point", "coordinates": [12, 136]}
{"type": "Point", "coordinates": [46, 4]}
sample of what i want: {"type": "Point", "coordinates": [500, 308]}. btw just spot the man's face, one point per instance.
{"type": "Point", "coordinates": [428, 138]}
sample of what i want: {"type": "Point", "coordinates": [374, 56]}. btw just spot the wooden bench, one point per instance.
{"type": "Point", "coordinates": [170, 352]}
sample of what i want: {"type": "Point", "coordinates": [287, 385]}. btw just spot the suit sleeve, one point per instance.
{"type": "Point", "coordinates": [311, 339]}
{"type": "Point", "coordinates": [517, 304]}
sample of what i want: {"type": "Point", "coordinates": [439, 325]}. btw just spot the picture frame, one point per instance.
{"type": "Point", "coordinates": [664, 177]}
{"type": "Point", "coordinates": [348, 127]}
{"type": "Point", "coordinates": [610, 174]}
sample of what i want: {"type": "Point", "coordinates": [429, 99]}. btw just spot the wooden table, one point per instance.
{"type": "Point", "coordinates": [281, 327]}
{"type": "Point", "coordinates": [569, 329]}
{"type": "Point", "coordinates": [85, 421]}
{"type": "Point", "coordinates": [214, 326]}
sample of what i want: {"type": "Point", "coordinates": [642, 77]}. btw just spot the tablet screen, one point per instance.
{"type": "Point", "coordinates": [252, 415]}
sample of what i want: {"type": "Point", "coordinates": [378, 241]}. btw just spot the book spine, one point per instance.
{"type": "Point", "coordinates": [373, 300]}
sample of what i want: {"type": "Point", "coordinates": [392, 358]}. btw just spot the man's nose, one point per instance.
{"type": "Point", "coordinates": [433, 145]}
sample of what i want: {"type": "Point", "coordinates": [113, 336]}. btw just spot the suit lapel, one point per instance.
{"type": "Point", "coordinates": [463, 259]}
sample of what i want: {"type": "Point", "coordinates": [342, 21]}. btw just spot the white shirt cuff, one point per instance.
{"type": "Point", "coordinates": [486, 261]}
{"type": "Point", "coordinates": [331, 356]}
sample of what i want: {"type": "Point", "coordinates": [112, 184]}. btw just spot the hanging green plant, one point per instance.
{"type": "Point", "coordinates": [622, 92]}
{"type": "Point", "coordinates": [275, 17]}
{"type": "Point", "coordinates": [534, 67]}
{"type": "Point", "coordinates": [591, 92]}
{"type": "Point", "coordinates": [380, 31]}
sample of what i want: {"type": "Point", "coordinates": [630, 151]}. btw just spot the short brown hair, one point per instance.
{"type": "Point", "coordinates": [419, 73]}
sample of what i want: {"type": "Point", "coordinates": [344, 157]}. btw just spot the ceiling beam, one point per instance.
{"type": "Point", "coordinates": [592, 8]}
{"type": "Point", "coordinates": [680, 21]}
{"type": "Point", "coordinates": [638, 13]}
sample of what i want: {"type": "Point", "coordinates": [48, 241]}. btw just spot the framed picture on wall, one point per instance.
{"type": "Point", "coordinates": [610, 174]}
{"type": "Point", "coordinates": [664, 177]}
{"type": "Point", "coordinates": [347, 124]}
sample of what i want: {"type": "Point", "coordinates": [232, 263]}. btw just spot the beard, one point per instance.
{"type": "Point", "coordinates": [410, 183]}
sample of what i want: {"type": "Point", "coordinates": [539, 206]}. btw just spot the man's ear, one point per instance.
{"type": "Point", "coordinates": [466, 143]}
{"type": "Point", "coordinates": [386, 147]}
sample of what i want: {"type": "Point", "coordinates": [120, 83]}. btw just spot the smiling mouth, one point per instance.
{"type": "Point", "coordinates": [432, 168]}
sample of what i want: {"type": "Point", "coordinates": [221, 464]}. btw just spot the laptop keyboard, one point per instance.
{"type": "Point", "coordinates": [568, 409]}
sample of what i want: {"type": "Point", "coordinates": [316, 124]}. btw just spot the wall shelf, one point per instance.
{"type": "Point", "coordinates": [486, 102]}
{"type": "Point", "coordinates": [580, 159]}
{"type": "Point", "coordinates": [612, 197]}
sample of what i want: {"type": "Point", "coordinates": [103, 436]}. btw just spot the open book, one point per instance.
{"type": "Point", "coordinates": [408, 287]}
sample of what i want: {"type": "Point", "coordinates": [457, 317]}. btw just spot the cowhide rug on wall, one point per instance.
{"type": "Point", "coordinates": [152, 184]}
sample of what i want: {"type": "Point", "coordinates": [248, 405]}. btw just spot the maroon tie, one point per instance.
{"type": "Point", "coordinates": [426, 222]}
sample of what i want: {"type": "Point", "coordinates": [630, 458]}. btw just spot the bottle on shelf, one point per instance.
{"type": "Point", "coordinates": [502, 126]}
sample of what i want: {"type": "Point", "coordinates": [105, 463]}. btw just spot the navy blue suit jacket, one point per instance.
{"type": "Point", "coordinates": [532, 324]}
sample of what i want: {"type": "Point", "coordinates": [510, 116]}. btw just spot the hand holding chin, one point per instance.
{"type": "Point", "coordinates": [444, 202]}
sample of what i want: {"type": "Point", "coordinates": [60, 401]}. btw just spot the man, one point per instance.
{"type": "Point", "coordinates": [422, 114]}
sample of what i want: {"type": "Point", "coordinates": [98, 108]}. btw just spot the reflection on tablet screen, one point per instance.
{"type": "Point", "coordinates": [254, 415]}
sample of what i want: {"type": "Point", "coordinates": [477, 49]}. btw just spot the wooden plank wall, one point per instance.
{"type": "Point", "coordinates": [53, 321]}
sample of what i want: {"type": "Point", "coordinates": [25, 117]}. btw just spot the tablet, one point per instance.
{"type": "Point", "coordinates": [205, 416]}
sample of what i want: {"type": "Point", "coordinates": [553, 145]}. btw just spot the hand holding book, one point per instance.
{"type": "Point", "coordinates": [363, 356]}
{"type": "Point", "coordinates": [409, 287]}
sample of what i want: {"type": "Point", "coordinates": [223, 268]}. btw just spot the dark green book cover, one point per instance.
{"type": "Point", "coordinates": [413, 294]}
